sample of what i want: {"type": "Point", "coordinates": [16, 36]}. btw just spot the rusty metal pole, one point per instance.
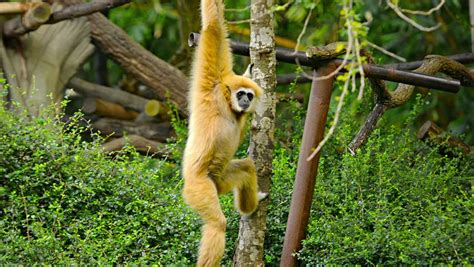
{"type": "Point", "coordinates": [306, 172]}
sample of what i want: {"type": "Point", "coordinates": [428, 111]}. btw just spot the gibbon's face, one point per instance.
{"type": "Point", "coordinates": [243, 100]}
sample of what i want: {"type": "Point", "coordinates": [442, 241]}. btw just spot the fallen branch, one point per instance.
{"type": "Point", "coordinates": [107, 109]}
{"type": "Point", "coordinates": [141, 144]}
{"type": "Point", "coordinates": [156, 131]}
{"type": "Point", "coordinates": [150, 107]}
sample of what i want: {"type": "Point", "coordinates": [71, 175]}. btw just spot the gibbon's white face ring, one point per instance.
{"type": "Point", "coordinates": [243, 100]}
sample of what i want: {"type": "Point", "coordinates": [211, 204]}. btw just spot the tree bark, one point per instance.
{"type": "Point", "coordinates": [249, 250]}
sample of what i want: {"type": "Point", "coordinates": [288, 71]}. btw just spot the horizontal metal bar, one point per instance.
{"type": "Point", "coordinates": [370, 70]}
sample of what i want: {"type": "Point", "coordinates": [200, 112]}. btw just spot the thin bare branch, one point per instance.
{"type": "Point", "coordinates": [237, 9]}
{"type": "Point", "coordinates": [298, 41]}
{"type": "Point", "coordinates": [239, 21]}
{"type": "Point", "coordinates": [386, 52]}
{"type": "Point", "coordinates": [410, 21]}
{"type": "Point", "coordinates": [424, 13]}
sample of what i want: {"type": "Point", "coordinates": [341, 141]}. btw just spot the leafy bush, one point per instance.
{"type": "Point", "coordinates": [397, 201]}
{"type": "Point", "coordinates": [64, 201]}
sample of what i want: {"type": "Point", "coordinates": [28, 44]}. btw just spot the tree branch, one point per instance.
{"type": "Point", "coordinates": [33, 18]}
{"type": "Point", "coordinates": [386, 99]}
{"type": "Point", "coordinates": [141, 144]}
{"type": "Point", "coordinates": [42, 15]}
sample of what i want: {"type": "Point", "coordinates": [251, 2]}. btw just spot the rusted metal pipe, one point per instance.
{"type": "Point", "coordinates": [306, 172]}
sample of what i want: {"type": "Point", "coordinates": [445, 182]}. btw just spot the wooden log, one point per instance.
{"type": "Point", "coordinates": [141, 144]}
{"type": "Point", "coordinates": [14, 7]}
{"type": "Point", "coordinates": [107, 109]}
{"type": "Point", "coordinates": [168, 82]}
{"type": "Point", "coordinates": [156, 131]}
{"type": "Point", "coordinates": [34, 17]}
{"type": "Point", "coordinates": [151, 108]}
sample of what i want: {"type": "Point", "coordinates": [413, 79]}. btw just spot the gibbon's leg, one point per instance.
{"type": "Point", "coordinates": [201, 194]}
{"type": "Point", "coordinates": [241, 176]}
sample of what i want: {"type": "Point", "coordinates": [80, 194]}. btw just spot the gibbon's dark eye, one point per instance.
{"type": "Point", "coordinates": [250, 96]}
{"type": "Point", "coordinates": [240, 94]}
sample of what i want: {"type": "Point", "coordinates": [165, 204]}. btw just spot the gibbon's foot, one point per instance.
{"type": "Point", "coordinates": [261, 196]}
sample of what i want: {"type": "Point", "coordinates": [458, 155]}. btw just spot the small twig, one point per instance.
{"type": "Point", "coordinates": [239, 21]}
{"type": "Point", "coordinates": [410, 21]}
{"type": "Point", "coordinates": [424, 13]}
{"type": "Point", "coordinates": [386, 52]}
{"type": "Point", "coordinates": [237, 9]}
{"type": "Point", "coordinates": [298, 41]}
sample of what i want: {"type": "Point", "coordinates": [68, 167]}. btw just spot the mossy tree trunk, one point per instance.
{"type": "Point", "coordinates": [249, 250]}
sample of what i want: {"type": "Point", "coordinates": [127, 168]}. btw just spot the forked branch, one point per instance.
{"type": "Point", "coordinates": [385, 99]}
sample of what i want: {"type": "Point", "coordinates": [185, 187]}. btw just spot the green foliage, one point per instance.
{"type": "Point", "coordinates": [63, 201]}
{"type": "Point", "coordinates": [397, 201]}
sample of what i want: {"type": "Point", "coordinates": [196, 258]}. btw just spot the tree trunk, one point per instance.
{"type": "Point", "coordinates": [249, 250]}
{"type": "Point", "coordinates": [38, 65]}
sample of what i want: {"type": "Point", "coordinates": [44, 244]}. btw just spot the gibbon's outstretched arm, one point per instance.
{"type": "Point", "coordinates": [214, 57]}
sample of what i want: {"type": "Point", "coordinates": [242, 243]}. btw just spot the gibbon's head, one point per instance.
{"type": "Point", "coordinates": [244, 93]}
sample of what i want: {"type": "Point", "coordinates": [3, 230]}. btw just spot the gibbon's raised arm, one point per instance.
{"type": "Point", "coordinates": [214, 57]}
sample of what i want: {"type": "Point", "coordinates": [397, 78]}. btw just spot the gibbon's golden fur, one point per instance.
{"type": "Point", "coordinates": [220, 101]}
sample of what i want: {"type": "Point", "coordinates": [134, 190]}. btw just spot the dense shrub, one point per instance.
{"type": "Point", "coordinates": [397, 201]}
{"type": "Point", "coordinates": [63, 201]}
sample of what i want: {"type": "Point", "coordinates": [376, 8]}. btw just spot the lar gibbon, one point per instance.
{"type": "Point", "coordinates": [219, 104]}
